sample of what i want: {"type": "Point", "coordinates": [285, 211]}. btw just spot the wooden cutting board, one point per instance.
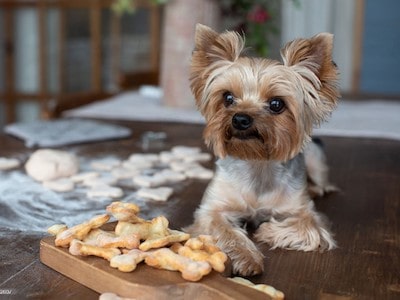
{"type": "Point", "coordinates": [143, 283]}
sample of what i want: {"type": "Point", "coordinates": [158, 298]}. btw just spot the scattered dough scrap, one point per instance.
{"type": "Point", "coordinates": [148, 157]}
{"type": "Point", "coordinates": [105, 191]}
{"type": "Point", "coordinates": [199, 173]}
{"type": "Point", "coordinates": [8, 163]}
{"type": "Point", "coordinates": [137, 165]}
{"type": "Point", "coordinates": [167, 157]}
{"type": "Point", "coordinates": [98, 181]}
{"type": "Point", "coordinates": [60, 185]}
{"type": "Point", "coordinates": [182, 166]}
{"type": "Point", "coordinates": [106, 164]}
{"type": "Point", "coordinates": [124, 173]}
{"type": "Point", "coordinates": [182, 151]}
{"type": "Point", "coordinates": [148, 180]}
{"type": "Point", "coordinates": [156, 194]}
{"type": "Point", "coordinates": [81, 177]}
{"type": "Point", "coordinates": [171, 176]}
{"type": "Point", "coordinates": [197, 157]}
{"type": "Point", "coordinates": [49, 164]}
{"type": "Point", "coordinates": [165, 176]}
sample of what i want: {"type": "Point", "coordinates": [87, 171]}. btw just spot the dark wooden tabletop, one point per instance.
{"type": "Point", "coordinates": [364, 215]}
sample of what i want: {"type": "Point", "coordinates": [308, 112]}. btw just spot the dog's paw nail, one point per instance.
{"type": "Point", "coordinates": [248, 268]}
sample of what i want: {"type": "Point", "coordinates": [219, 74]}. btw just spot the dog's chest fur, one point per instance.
{"type": "Point", "coordinates": [256, 187]}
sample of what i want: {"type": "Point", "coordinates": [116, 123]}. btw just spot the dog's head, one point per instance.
{"type": "Point", "coordinates": [257, 108]}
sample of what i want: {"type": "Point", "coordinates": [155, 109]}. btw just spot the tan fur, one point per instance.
{"type": "Point", "coordinates": [261, 175]}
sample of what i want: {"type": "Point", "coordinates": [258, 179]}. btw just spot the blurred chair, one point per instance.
{"type": "Point", "coordinates": [51, 103]}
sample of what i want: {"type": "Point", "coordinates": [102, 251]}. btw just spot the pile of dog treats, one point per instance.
{"type": "Point", "coordinates": [135, 240]}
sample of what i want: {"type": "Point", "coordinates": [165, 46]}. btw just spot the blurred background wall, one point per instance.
{"type": "Point", "coordinates": [50, 52]}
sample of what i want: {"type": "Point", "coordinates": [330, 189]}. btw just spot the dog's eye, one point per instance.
{"type": "Point", "coordinates": [228, 98]}
{"type": "Point", "coordinates": [276, 105]}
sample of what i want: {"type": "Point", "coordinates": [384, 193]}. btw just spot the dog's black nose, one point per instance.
{"type": "Point", "coordinates": [242, 121]}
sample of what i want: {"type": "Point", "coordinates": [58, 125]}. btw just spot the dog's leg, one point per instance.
{"type": "Point", "coordinates": [317, 170]}
{"type": "Point", "coordinates": [246, 259]}
{"type": "Point", "coordinates": [303, 229]}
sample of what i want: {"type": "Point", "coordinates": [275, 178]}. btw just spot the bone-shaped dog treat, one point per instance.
{"type": "Point", "coordinates": [108, 239]}
{"type": "Point", "coordinates": [155, 233]}
{"type": "Point", "coordinates": [80, 248]}
{"type": "Point", "coordinates": [80, 231]}
{"type": "Point", "coordinates": [165, 258]}
{"type": "Point", "coordinates": [124, 211]}
{"type": "Point", "coordinates": [128, 262]}
{"type": "Point", "coordinates": [203, 242]}
{"type": "Point", "coordinates": [196, 258]}
{"type": "Point", "coordinates": [112, 296]}
{"type": "Point", "coordinates": [267, 289]}
{"type": "Point", "coordinates": [202, 248]}
{"type": "Point", "coordinates": [56, 229]}
{"type": "Point", "coordinates": [174, 236]}
{"type": "Point", "coordinates": [157, 227]}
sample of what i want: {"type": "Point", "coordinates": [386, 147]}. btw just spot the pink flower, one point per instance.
{"type": "Point", "coordinates": [258, 14]}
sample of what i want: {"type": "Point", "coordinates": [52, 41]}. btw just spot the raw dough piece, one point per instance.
{"type": "Point", "coordinates": [124, 173]}
{"type": "Point", "coordinates": [105, 191]}
{"type": "Point", "coordinates": [171, 176]}
{"type": "Point", "coordinates": [148, 181]}
{"type": "Point", "coordinates": [148, 157]}
{"type": "Point", "coordinates": [99, 181]}
{"type": "Point", "coordinates": [84, 176]}
{"type": "Point", "coordinates": [182, 151]}
{"type": "Point", "coordinates": [106, 164]}
{"type": "Point", "coordinates": [197, 157]}
{"type": "Point", "coordinates": [49, 164]}
{"type": "Point", "coordinates": [59, 185]}
{"type": "Point", "coordinates": [199, 173]}
{"type": "Point", "coordinates": [182, 166]}
{"type": "Point", "coordinates": [8, 163]}
{"type": "Point", "coordinates": [163, 177]}
{"type": "Point", "coordinates": [157, 194]}
{"type": "Point", "coordinates": [167, 157]}
{"type": "Point", "coordinates": [137, 165]}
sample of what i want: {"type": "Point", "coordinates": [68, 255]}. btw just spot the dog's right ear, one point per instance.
{"type": "Point", "coordinates": [225, 46]}
{"type": "Point", "coordinates": [211, 49]}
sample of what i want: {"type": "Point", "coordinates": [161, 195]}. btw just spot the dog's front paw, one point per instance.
{"type": "Point", "coordinates": [295, 234]}
{"type": "Point", "coordinates": [247, 263]}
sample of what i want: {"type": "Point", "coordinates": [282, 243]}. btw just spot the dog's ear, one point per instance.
{"type": "Point", "coordinates": [312, 59]}
{"type": "Point", "coordinates": [211, 51]}
{"type": "Point", "coordinates": [226, 46]}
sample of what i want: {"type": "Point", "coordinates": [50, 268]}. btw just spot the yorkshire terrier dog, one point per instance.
{"type": "Point", "coordinates": [259, 118]}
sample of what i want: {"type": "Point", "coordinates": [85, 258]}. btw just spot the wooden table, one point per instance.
{"type": "Point", "coordinates": [364, 215]}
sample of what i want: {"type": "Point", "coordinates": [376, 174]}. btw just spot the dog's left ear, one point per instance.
{"type": "Point", "coordinates": [312, 59]}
